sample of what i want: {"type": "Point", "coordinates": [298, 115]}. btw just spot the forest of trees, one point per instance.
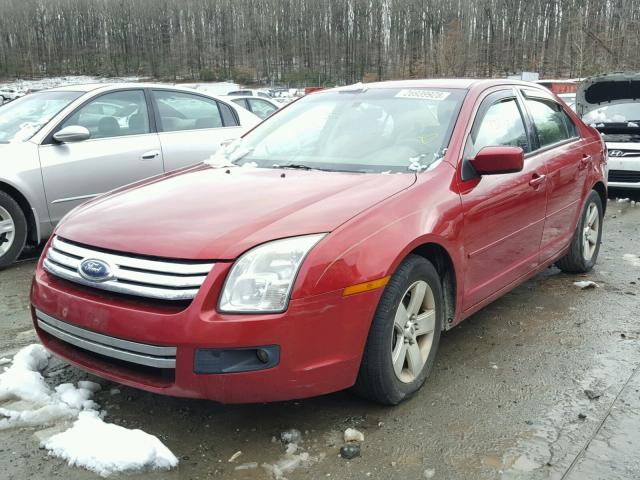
{"type": "Point", "coordinates": [317, 41]}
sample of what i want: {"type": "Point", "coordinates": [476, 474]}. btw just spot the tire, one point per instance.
{"type": "Point", "coordinates": [378, 379]}
{"type": "Point", "coordinates": [585, 244]}
{"type": "Point", "coordinates": [11, 243]}
{"type": "Point", "coordinates": [2, 100]}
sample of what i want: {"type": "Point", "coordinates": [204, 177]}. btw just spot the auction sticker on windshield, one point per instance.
{"type": "Point", "coordinates": [425, 94]}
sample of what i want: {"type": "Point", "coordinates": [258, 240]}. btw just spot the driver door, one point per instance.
{"type": "Point", "coordinates": [504, 214]}
{"type": "Point", "coordinates": [123, 148]}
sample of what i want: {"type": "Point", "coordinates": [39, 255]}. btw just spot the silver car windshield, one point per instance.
{"type": "Point", "coordinates": [23, 118]}
{"type": "Point", "coordinates": [354, 130]}
{"type": "Point", "coordinates": [616, 113]}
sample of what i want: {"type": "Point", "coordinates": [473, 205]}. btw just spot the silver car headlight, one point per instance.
{"type": "Point", "coordinates": [261, 280]}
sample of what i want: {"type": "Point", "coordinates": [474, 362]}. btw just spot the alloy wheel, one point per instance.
{"type": "Point", "coordinates": [413, 329]}
{"type": "Point", "coordinates": [7, 231]}
{"type": "Point", "coordinates": [590, 231]}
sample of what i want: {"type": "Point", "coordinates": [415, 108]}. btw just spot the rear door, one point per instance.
{"type": "Point", "coordinates": [123, 148]}
{"type": "Point", "coordinates": [191, 126]}
{"type": "Point", "coordinates": [503, 214]}
{"type": "Point", "coordinates": [559, 146]}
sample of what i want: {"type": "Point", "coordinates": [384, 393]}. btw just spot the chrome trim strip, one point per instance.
{"type": "Point", "coordinates": [79, 197]}
{"type": "Point", "coordinates": [119, 287]}
{"type": "Point", "coordinates": [133, 262]}
{"type": "Point", "coordinates": [108, 351]}
{"type": "Point", "coordinates": [122, 275]}
{"type": "Point", "coordinates": [106, 339]}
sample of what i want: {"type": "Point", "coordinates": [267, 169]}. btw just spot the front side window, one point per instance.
{"type": "Point", "coordinates": [183, 111]}
{"type": "Point", "coordinates": [549, 121]}
{"type": "Point", "coordinates": [501, 125]}
{"type": "Point", "coordinates": [364, 130]}
{"type": "Point", "coordinates": [23, 118]}
{"type": "Point", "coordinates": [114, 114]}
{"type": "Point", "coordinates": [261, 108]}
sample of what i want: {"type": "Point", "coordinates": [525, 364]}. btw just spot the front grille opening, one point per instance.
{"type": "Point", "coordinates": [624, 176]}
{"type": "Point", "coordinates": [152, 280]}
{"type": "Point", "coordinates": [155, 377]}
{"type": "Point", "coordinates": [141, 303]}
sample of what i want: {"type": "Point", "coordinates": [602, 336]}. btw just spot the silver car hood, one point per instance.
{"type": "Point", "coordinates": [610, 89]}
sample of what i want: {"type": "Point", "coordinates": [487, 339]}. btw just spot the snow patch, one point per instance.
{"type": "Point", "coordinates": [105, 448]}
{"type": "Point", "coordinates": [632, 259]}
{"type": "Point", "coordinates": [22, 380]}
{"type": "Point", "coordinates": [584, 284]}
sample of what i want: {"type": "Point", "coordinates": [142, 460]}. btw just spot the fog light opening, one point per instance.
{"type": "Point", "coordinates": [263, 355]}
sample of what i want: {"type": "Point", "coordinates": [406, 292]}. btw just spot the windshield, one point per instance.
{"type": "Point", "coordinates": [23, 118]}
{"type": "Point", "coordinates": [618, 113]}
{"type": "Point", "coordinates": [364, 130]}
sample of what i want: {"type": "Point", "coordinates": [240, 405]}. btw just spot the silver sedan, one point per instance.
{"type": "Point", "coordinates": [62, 146]}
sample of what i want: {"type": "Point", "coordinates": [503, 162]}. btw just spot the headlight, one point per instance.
{"type": "Point", "coordinates": [261, 280]}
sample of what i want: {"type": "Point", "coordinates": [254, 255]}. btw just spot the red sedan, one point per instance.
{"type": "Point", "coordinates": [328, 248]}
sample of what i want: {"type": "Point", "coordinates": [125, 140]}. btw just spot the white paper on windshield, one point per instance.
{"type": "Point", "coordinates": [422, 94]}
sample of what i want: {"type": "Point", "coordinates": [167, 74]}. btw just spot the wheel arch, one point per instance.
{"type": "Point", "coordinates": [443, 262]}
{"type": "Point", "coordinates": [602, 192]}
{"type": "Point", "coordinates": [25, 206]}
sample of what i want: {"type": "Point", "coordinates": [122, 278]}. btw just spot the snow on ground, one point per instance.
{"type": "Point", "coordinates": [26, 400]}
{"type": "Point", "coordinates": [112, 449]}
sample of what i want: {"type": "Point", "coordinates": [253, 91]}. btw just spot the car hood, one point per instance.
{"type": "Point", "coordinates": [205, 212]}
{"type": "Point", "coordinates": [609, 89]}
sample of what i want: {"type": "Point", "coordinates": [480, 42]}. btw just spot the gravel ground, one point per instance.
{"type": "Point", "coordinates": [506, 399]}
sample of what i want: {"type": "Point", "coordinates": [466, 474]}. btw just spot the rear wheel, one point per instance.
{"type": "Point", "coordinates": [404, 335]}
{"type": "Point", "coordinates": [585, 245]}
{"type": "Point", "coordinates": [13, 230]}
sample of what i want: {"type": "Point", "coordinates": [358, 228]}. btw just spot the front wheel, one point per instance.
{"type": "Point", "coordinates": [13, 230]}
{"type": "Point", "coordinates": [404, 335]}
{"type": "Point", "coordinates": [585, 245]}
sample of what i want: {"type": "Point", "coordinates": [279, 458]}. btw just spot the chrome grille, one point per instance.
{"type": "Point", "coordinates": [130, 275]}
{"type": "Point", "coordinates": [134, 352]}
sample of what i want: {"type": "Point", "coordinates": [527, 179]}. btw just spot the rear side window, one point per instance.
{"type": "Point", "coordinates": [550, 121]}
{"type": "Point", "coordinates": [228, 115]}
{"type": "Point", "coordinates": [261, 107]}
{"type": "Point", "coordinates": [183, 111]}
{"type": "Point", "coordinates": [501, 125]}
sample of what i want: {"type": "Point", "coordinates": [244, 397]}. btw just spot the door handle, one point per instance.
{"type": "Point", "coordinates": [537, 180]}
{"type": "Point", "coordinates": [586, 159]}
{"type": "Point", "coordinates": [150, 155]}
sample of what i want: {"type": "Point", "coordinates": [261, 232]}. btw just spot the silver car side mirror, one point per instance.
{"type": "Point", "coordinates": [72, 133]}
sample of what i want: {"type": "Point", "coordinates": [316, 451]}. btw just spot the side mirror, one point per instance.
{"type": "Point", "coordinates": [72, 133]}
{"type": "Point", "coordinates": [495, 160]}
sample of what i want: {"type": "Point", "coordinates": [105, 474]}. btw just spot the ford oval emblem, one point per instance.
{"type": "Point", "coordinates": [95, 270]}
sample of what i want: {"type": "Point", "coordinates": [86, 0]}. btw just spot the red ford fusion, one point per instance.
{"type": "Point", "coordinates": [329, 247]}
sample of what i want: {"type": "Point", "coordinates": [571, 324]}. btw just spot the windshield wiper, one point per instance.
{"type": "Point", "coordinates": [296, 166]}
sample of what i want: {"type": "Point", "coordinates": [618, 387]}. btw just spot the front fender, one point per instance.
{"type": "Point", "coordinates": [373, 244]}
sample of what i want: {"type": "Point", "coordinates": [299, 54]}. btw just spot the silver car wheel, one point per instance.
{"type": "Point", "coordinates": [7, 231]}
{"type": "Point", "coordinates": [590, 231]}
{"type": "Point", "coordinates": [413, 328]}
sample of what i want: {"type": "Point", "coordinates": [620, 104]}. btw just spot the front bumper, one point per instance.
{"type": "Point", "coordinates": [320, 339]}
{"type": "Point", "coordinates": [624, 172]}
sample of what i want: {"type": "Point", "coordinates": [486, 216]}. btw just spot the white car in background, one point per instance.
{"type": "Point", "coordinates": [63, 146]}
{"type": "Point", "coordinates": [611, 104]}
{"type": "Point", "coordinates": [7, 94]}
{"type": "Point", "coordinates": [250, 92]}
{"type": "Point", "coordinates": [262, 107]}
